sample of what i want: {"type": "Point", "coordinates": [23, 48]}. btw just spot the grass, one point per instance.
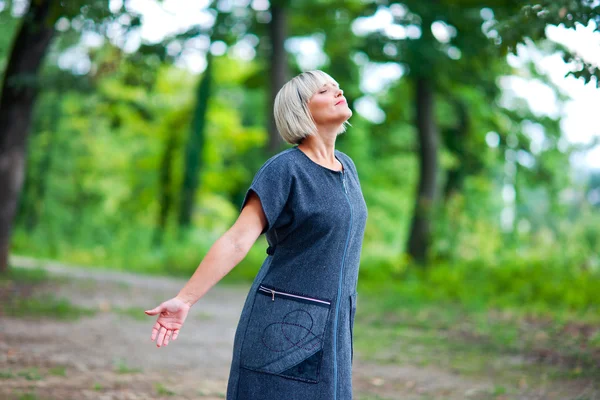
{"type": "Point", "coordinates": [121, 367]}
{"type": "Point", "coordinates": [45, 306]}
{"type": "Point", "coordinates": [6, 374]}
{"type": "Point", "coordinates": [514, 347]}
{"type": "Point", "coordinates": [58, 371]}
{"type": "Point", "coordinates": [136, 313]}
{"type": "Point", "coordinates": [204, 316]}
{"type": "Point", "coordinates": [29, 396]}
{"type": "Point", "coordinates": [24, 275]}
{"type": "Point", "coordinates": [31, 374]}
{"type": "Point", "coordinates": [19, 298]}
{"type": "Point", "coordinates": [161, 390]}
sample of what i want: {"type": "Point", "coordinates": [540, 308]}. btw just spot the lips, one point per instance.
{"type": "Point", "coordinates": [341, 102]}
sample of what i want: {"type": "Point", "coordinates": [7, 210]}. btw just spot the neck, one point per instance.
{"type": "Point", "coordinates": [320, 149]}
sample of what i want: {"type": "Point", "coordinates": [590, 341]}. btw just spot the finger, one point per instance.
{"type": "Point", "coordinates": [175, 334]}
{"type": "Point", "coordinates": [154, 311]}
{"type": "Point", "coordinates": [161, 336]}
{"type": "Point", "coordinates": [167, 336]}
{"type": "Point", "coordinates": [155, 331]}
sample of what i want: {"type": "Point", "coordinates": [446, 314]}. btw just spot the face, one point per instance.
{"type": "Point", "coordinates": [328, 105]}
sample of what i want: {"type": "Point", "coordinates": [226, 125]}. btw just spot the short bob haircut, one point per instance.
{"type": "Point", "coordinates": [292, 116]}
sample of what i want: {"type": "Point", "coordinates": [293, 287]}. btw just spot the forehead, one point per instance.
{"type": "Point", "coordinates": [319, 79]}
{"type": "Point", "coordinates": [331, 83]}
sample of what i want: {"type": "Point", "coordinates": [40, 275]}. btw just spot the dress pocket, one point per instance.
{"type": "Point", "coordinates": [285, 334]}
{"type": "Point", "coordinates": [352, 314]}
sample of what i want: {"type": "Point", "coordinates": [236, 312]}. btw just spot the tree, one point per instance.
{"type": "Point", "coordinates": [435, 69]}
{"type": "Point", "coordinates": [533, 18]}
{"type": "Point", "coordinates": [20, 90]}
{"type": "Point", "coordinates": [17, 98]}
{"type": "Point", "coordinates": [278, 66]}
{"type": "Point", "coordinates": [194, 147]}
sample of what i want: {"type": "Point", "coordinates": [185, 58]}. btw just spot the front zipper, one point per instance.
{"type": "Point", "coordinates": [340, 288]}
{"type": "Point", "coordinates": [273, 292]}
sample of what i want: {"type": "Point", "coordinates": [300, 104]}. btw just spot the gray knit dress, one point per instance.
{"type": "Point", "coordinates": [294, 337]}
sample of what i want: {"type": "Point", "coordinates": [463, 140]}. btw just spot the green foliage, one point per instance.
{"type": "Point", "coordinates": [533, 284]}
{"type": "Point", "coordinates": [109, 145]}
{"type": "Point", "coordinates": [533, 18]}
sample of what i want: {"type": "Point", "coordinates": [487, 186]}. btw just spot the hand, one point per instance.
{"type": "Point", "coordinates": [173, 313]}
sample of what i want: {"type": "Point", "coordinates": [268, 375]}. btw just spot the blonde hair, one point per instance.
{"type": "Point", "coordinates": [292, 116]}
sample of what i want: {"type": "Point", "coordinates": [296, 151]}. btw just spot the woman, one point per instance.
{"type": "Point", "coordinates": [294, 337]}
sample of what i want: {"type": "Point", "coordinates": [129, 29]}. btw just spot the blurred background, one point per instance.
{"type": "Point", "coordinates": [131, 130]}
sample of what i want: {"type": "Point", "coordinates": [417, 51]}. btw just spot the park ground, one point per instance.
{"type": "Point", "coordinates": [80, 333]}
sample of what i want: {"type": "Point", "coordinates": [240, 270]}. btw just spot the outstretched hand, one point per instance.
{"type": "Point", "coordinates": [173, 313]}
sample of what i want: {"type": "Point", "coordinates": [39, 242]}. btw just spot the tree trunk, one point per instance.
{"type": "Point", "coordinates": [455, 139]}
{"type": "Point", "coordinates": [279, 68]}
{"type": "Point", "coordinates": [195, 146]}
{"type": "Point", "coordinates": [17, 100]}
{"type": "Point", "coordinates": [420, 231]}
{"type": "Point", "coordinates": [166, 197]}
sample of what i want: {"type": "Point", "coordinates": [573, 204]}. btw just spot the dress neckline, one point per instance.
{"type": "Point", "coordinates": [319, 165]}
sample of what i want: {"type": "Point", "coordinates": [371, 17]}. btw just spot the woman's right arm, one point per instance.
{"type": "Point", "coordinates": [227, 251]}
{"type": "Point", "coordinates": [224, 254]}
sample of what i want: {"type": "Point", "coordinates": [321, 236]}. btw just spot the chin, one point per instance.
{"type": "Point", "coordinates": [347, 116]}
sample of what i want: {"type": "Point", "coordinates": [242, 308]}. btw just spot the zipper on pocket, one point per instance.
{"type": "Point", "coordinates": [272, 292]}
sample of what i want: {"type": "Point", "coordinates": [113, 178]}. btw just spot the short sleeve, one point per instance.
{"type": "Point", "coordinates": [272, 184]}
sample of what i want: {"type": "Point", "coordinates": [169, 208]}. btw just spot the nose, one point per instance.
{"type": "Point", "coordinates": [339, 92]}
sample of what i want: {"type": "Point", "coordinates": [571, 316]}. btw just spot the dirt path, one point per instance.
{"type": "Point", "coordinates": [110, 356]}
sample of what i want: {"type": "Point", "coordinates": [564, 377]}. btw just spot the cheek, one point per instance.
{"type": "Point", "coordinates": [314, 109]}
{"type": "Point", "coordinates": [318, 106]}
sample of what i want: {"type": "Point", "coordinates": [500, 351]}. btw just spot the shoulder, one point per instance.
{"type": "Point", "coordinates": [277, 165]}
